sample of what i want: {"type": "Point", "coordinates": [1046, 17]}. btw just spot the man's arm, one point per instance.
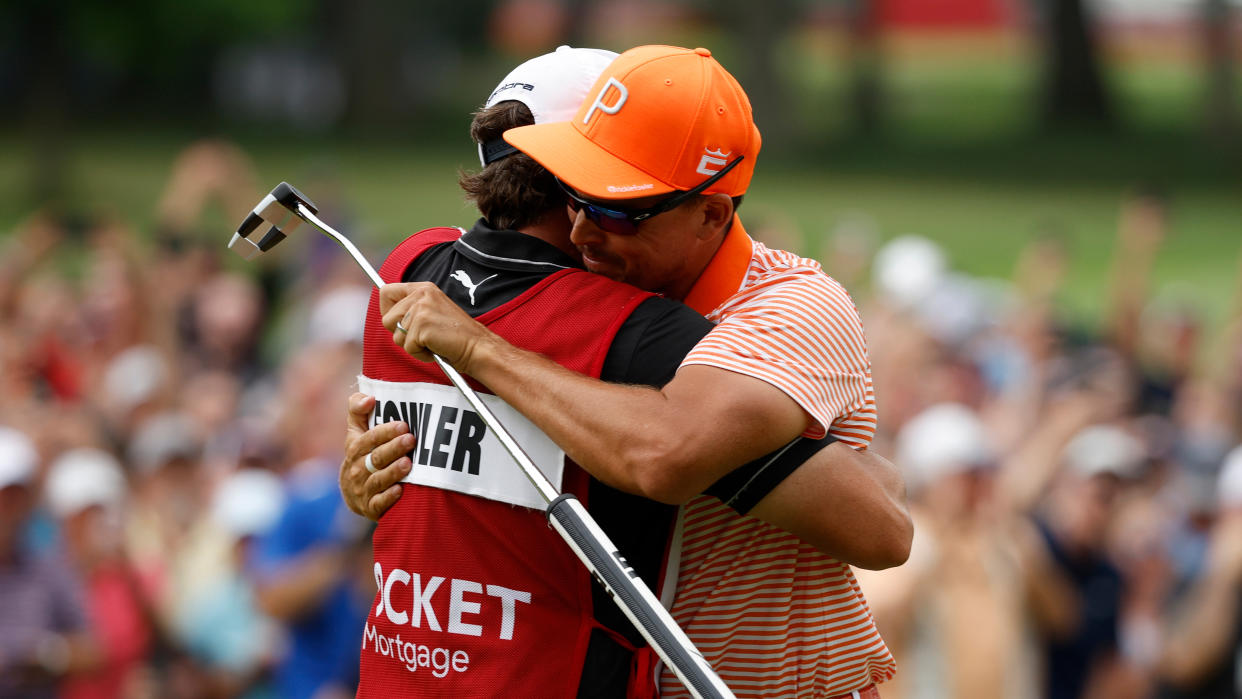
{"type": "Point", "coordinates": [667, 445]}
{"type": "Point", "coordinates": [848, 504]}
{"type": "Point", "coordinates": [1199, 637]}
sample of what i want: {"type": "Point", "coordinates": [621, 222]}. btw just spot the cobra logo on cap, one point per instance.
{"type": "Point", "coordinates": [718, 158]}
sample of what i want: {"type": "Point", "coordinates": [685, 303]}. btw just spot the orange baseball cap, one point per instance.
{"type": "Point", "coordinates": [659, 119]}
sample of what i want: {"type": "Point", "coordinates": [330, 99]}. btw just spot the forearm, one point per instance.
{"type": "Point", "coordinates": [666, 444]}
{"type": "Point", "coordinates": [1199, 639]}
{"type": "Point", "coordinates": [301, 585]}
{"type": "Point", "coordinates": [637, 439]}
{"type": "Point", "coordinates": [1054, 604]}
{"type": "Point", "coordinates": [849, 504]}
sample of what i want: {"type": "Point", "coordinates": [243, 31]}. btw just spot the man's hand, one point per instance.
{"type": "Point", "coordinates": [433, 323]}
{"type": "Point", "coordinates": [371, 494]}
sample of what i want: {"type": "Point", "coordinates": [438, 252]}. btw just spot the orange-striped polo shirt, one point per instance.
{"type": "Point", "coordinates": [774, 616]}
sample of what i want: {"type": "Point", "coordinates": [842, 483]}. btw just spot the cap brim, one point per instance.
{"type": "Point", "coordinates": [583, 165]}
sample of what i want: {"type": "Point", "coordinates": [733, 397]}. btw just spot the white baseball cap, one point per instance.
{"type": "Point", "coordinates": [552, 86]}
{"type": "Point", "coordinates": [943, 440]}
{"type": "Point", "coordinates": [907, 269]}
{"type": "Point", "coordinates": [18, 458]}
{"type": "Point", "coordinates": [161, 439]}
{"type": "Point", "coordinates": [248, 502]}
{"type": "Point", "coordinates": [135, 376]}
{"type": "Point", "coordinates": [81, 478]}
{"type": "Point", "coordinates": [1229, 482]}
{"type": "Point", "coordinates": [337, 317]}
{"type": "Point", "coordinates": [1104, 449]}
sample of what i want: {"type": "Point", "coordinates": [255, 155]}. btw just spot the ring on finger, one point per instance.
{"type": "Point", "coordinates": [401, 327]}
{"type": "Point", "coordinates": [369, 464]}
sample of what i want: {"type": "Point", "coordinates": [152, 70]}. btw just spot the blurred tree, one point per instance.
{"type": "Point", "coordinates": [40, 98]}
{"type": "Point", "coordinates": [1074, 89]}
{"type": "Point", "coordinates": [1222, 104]}
{"type": "Point", "coordinates": [575, 31]}
{"type": "Point", "coordinates": [163, 53]}
{"type": "Point", "coordinates": [77, 60]}
{"type": "Point", "coordinates": [758, 28]}
{"type": "Point", "coordinates": [366, 36]}
{"type": "Point", "coordinates": [865, 86]}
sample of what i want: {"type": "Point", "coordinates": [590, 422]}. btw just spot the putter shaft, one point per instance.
{"type": "Point", "coordinates": [532, 472]}
{"type": "Point", "coordinates": [565, 513]}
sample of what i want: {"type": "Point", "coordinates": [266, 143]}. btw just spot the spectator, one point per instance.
{"type": "Point", "coordinates": [1078, 517]}
{"type": "Point", "coordinates": [44, 635]}
{"type": "Point", "coordinates": [1203, 644]}
{"type": "Point", "coordinates": [954, 614]}
{"type": "Point", "coordinates": [219, 619]}
{"type": "Point", "coordinates": [86, 490]}
{"type": "Point", "coordinates": [311, 571]}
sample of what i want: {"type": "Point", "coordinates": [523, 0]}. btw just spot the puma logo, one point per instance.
{"type": "Point", "coordinates": [468, 283]}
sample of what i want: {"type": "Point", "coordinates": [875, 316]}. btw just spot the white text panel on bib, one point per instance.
{"type": "Point", "coordinates": [456, 450]}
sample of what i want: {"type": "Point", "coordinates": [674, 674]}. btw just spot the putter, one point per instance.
{"type": "Point", "coordinates": [284, 209]}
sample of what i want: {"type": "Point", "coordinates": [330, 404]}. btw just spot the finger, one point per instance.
{"type": "Point", "coordinates": [382, 502]}
{"type": "Point", "coordinates": [358, 447]}
{"type": "Point", "coordinates": [415, 348]}
{"type": "Point", "coordinates": [358, 411]}
{"type": "Point", "coordinates": [399, 299]}
{"type": "Point", "coordinates": [388, 452]}
{"type": "Point", "coordinates": [390, 294]}
{"type": "Point", "coordinates": [396, 313]}
{"type": "Point", "coordinates": [387, 477]}
{"type": "Point", "coordinates": [361, 403]}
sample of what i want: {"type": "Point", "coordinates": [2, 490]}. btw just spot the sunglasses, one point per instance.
{"type": "Point", "coordinates": [626, 221]}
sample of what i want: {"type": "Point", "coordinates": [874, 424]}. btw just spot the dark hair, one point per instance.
{"type": "Point", "coordinates": [515, 191]}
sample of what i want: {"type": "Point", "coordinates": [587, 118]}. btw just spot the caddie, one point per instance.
{"type": "Point", "coordinates": [475, 594]}
{"type": "Point", "coordinates": [654, 164]}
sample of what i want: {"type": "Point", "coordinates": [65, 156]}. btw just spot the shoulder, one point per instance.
{"type": "Point", "coordinates": [401, 262]}
{"type": "Point", "coordinates": [652, 342]}
{"type": "Point", "coordinates": [427, 237]}
{"type": "Point", "coordinates": [776, 275]}
{"type": "Point", "coordinates": [664, 311]}
{"type": "Point", "coordinates": [801, 294]}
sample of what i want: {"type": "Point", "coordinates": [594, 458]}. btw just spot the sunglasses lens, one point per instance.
{"type": "Point", "coordinates": [609, 220]}
{"type": "Point", "coordinates": [614, 222]}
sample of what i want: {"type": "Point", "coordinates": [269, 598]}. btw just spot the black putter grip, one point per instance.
{"type": "Point", "coordinates": [620, 581]}
{"type": "Point", "coordinates": [288, 195]}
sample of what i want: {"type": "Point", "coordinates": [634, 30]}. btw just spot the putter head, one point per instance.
{"type": "Point", "coordinates": [278, 208]}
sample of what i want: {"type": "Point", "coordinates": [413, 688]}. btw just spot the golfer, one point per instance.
{"type": "Point", "coordinates": [475, 594]}
{"type": "Point", "coordinates": [654, 163]}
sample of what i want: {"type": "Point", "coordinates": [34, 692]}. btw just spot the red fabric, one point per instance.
{"type": "Point", "coordinates": [946, 14]}
{"type": "Point", "coordinates": [119, 624]}
{"type": "Point", "coordinates": [488, 551]}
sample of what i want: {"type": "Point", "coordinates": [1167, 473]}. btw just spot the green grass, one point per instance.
{"type": "Point", "coordinates": [982, 219]}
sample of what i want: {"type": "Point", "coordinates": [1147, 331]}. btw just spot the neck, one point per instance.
{"type": "Point", "coordinates": [553, 228]}
{"type": "Point", "coordinates": [696, 263]}
{"type": "Point", "coordinates": [720, 276]}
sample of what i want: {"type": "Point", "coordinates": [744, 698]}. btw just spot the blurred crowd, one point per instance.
{"type": "Point", "coordinates": [1076, 491]}
{"type": "Point", "coordinates": [171, 426]}
{"type": "Point", "coordinates": [170, 433]}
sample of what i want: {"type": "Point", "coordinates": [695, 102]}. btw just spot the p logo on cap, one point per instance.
{"type": "Point", "coordinates": [622, 95]}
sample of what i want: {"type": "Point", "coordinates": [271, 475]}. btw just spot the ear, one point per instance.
{"type": "Point", "coordinates": [717, 213]}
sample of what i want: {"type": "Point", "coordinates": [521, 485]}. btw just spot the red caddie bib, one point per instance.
{"type": "Point", "coordinates": [476, 595]}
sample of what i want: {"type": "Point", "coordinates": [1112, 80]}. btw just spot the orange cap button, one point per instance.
{"type": "Point", "coordinates": [703, 52]}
